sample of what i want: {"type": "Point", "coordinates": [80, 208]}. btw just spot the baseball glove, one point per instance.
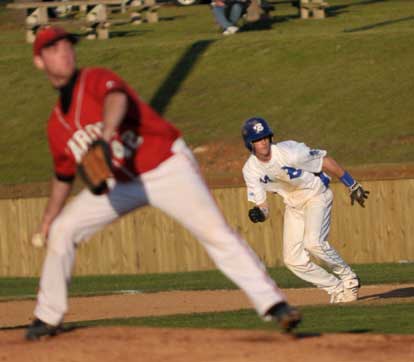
{"type": "Point", "coordinates": [256, 215]}
{"type": "Point", "coordinates": [357, 193]}
{"type": "Point", "coordinates": [96, 167]}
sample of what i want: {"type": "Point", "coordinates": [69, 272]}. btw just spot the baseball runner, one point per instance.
{"type": "Point", "coordinates": [129, 157]}
{"type": "Point", "coordinates": [297, 174]}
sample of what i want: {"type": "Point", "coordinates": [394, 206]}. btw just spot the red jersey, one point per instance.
{"type": "Point", "coordinates": [142, 142]}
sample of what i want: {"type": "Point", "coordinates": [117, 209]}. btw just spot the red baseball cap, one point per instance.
{"type": "Point", "coordinates": [47, 36]}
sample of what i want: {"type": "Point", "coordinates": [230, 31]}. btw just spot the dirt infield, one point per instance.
{"type": "Point", "coordinates": [160, 344]}
{"type": "Point", "coordinates": [196, 345]}
{"type": "Point", "coordinates": [184, 302]}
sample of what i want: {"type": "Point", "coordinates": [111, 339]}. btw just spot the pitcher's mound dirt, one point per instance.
{"type": "Point", "coordinates": [191, 345]}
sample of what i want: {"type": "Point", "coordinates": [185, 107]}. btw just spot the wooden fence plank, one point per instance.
{"type": "Point", "coordinates": [148, 241]}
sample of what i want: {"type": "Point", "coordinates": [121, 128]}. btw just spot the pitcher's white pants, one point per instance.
{"type": "Point", "coordinates": [176, 188]}
{"type": "Point", "coordinates": [305, 233]}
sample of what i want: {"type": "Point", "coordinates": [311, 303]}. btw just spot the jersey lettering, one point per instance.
{"type": "Point", "coordinates": [314, 152]}
{"type": "Point", "coordinates": [82, 138]}
{"type": "Point", "coordinates": [94, 129]}
{"type": "Point", "coordinates": [131, 139]}
{"type": "Point", "coordinates": [292, 172]}
{"type": "Point", "coordinates": [265, 179]}
{"type": "Point", "coordinates": [119, 150]}
{"type": "Point", "coordinates": [76, 150]}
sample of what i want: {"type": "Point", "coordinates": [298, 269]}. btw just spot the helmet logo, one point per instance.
{"type": "Point", "coordinates": [258, 127]}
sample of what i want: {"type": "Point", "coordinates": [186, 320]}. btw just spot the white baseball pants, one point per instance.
{"type": "Point", "coordinates": [305, 233]}
{"type": "Point", "coordinates": [176, 188]}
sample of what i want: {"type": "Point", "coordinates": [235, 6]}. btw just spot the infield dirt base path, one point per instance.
{"type": "Point", "coordinates": [128, 344]}
{"type": "Point", "coordinates": [17, 313]}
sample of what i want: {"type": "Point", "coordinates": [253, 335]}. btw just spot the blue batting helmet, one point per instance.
{"type": "Point", "coordinates": [255, 129]}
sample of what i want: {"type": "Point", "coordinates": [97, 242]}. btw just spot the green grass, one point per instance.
{"type": "Point", "coordinates": [344, 83]}
{"type": "Point", "coordinates": [390, 318]}
{"type": "Point", "coordinates": [206, 280]}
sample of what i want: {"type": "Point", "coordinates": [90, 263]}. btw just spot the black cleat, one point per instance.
{"type": "Point", "coordinates": [286, 316]}
{"type": "Point", "coordinates": [40, 329]}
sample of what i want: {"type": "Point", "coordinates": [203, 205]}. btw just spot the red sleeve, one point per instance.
{"type": "Point", "coordinates": [106, 81]}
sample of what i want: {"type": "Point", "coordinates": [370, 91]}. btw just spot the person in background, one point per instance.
{"type": "Point", "coordinates": [228, 12]}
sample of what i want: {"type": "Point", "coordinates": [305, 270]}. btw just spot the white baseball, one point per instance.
{"type": "Point", "coordinates": [38, 240]}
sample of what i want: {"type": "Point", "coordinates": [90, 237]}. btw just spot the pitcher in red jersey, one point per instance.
{"type": "Point", "coordinates": [152, 166]}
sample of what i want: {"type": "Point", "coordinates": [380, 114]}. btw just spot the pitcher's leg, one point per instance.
{"type": "Point", "coordinates": [180, 191]}
{"type": "Point", "coordinates": [82, 217]}
{"type": "Point", "coordinates": [297, 258]}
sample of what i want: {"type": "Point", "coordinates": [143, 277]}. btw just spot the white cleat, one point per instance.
{"type": "Point", "coordinates": [351, 289]}
{"type": "Point", "coordinates": [348, 293]}
{"type": "Point", "coordinates": [337, 297]}
{"type": "Point", "coordinates": [231, 30]}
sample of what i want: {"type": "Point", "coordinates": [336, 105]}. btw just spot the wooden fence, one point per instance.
{"type": "Point", "coordinates": [147, 241]}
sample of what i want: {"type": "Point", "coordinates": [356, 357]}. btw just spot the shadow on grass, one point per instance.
{"type": "Point", "coordinates": [333, 10]}
{"type": "Point", "coordinates": [376, 25]}
{"type": "Point", "coordinates": [267, 23]}
{"type": "Point", "coordinates": [178, 74]}
{"type": "Point", "coordinates": [337, 9]}
{"type": "Point", "coordinates": [127, 33]}
{"type": "Point", "coordinates": [171, 18]}
{"type": "Point", "coordinates": [396, 293]}
{"type": "Point", "coordinates": [358, 331]}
